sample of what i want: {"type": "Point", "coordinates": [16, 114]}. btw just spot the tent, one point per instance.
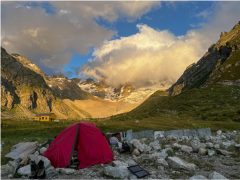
{"type": "Point", "coordinates": [91, 145]}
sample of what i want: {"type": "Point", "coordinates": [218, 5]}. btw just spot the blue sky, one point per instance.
{"type": "Point", "coordinates": [177, 18]}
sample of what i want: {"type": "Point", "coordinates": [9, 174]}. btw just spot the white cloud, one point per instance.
{"type": "Point", "coordinates": [146, 58]}
{"type": "Point", "coordinates": [50, 40]}
{"type": "Point", "coordinates": [204, 14]}
{"type": "Point", "coordinates": [152, 56]}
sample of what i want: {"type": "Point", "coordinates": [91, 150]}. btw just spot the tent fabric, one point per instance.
{"type": "Point", "coordinates": [92, 146]}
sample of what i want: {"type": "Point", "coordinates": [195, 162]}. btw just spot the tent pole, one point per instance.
{"type": "Point", "coordinates": [75, 139]}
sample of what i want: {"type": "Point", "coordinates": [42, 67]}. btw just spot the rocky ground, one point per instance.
{"type": "Point", "coordinates": [210, 157]}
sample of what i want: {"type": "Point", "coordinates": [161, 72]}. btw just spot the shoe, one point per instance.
{"type": "Point", "coordinates": [33, 174]}
{"type": "Point", "coordinates": [41, 170]}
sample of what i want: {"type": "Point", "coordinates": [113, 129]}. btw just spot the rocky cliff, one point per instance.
{"type": "Point", "coordinates": [24, 91]}
{"type": "Point", "coordinates": [220, 65]}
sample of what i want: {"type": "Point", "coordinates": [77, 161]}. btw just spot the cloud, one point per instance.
{"type": "Point", "coordinates": [146, 58]}
{"type": "Point", "coordinates": [50, 39]}
{"type": "Point", "coordinates": [204, 14]}
{"type": "Point", "coordinates": [152, 56]}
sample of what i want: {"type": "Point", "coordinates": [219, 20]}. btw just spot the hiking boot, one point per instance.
{"type": "Point", "coordinates": [41, 170]}
{"type": "Point", "coordinates": [33, 174]}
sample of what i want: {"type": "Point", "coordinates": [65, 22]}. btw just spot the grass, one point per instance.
{"type": "Point", "coordinates": [215, 107]}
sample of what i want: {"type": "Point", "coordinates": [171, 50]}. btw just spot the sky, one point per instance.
{"type": "Point", "coordinates": [140, 43]}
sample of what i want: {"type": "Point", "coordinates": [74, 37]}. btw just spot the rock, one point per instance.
{"type": "Point", "coordinates": [237, 146]}
{"type": "Point", "coordinates": [219, 132]}
{"type": "Point", "coordinates": [50, 172]}
{"type": "Point", "coordinates": [186, 149]}
{"type": "Point", "coordinates": [22, 156]}
{"type": "Point", "coordinates": [139, 160]}
{"type": "Point", "coordinates": [147, 157]}
{"type": "Point", "coordinates": [119, 172]}
{"type": "Point", "coordinates": [169, 138]}
{"type": "Point", "coordinates": [209, 145]}
{"type": "Point", "coordinates": [115, 153]}
{"type": "Point", "coordinates": [133, 177]}
{"type": "Point", "coordinates": [43, 150]}
{"type": "Point", "coordinates": [46, 161]}
{"type": "Point", "coordinates": [147, 149]}
{"type": "Point", "coordinates": [206, 138]}
{"type": "Point", "coordinates": [131, 162]}
{"type": "Point", "coordinates": [36, 153]}
{"type": "Point", "coordinates": [178, 163]}
{"type": "Point", "coordinates": [196, 177]}
{"type": "Point", "coordinates": [202, 151]}
{"type": "Point", "coordinates": [216, 175]}
{"type": "Point", "coordinates": [160, 155]}
{"type": "Point", "coordinates": [161, 162]}
{"type": "Point", "coordinates": [155, 145]}
{"type": "Point", "coordinates": [119, 163]}
{"type": "Point", "coordinates": [185, 138]}
{"type": "Point", "coordinates": [34, 157]}
{"type": "Point", "coordinates": [216, 146]}
{"type": "Point", "coordinates": [26, 170]}
{"type": "Point", "coordinates": [227, 144]}
{"type": "Point", "coordinates": [6, 169]}
{"type": "Point", "coordinates": [137, 145]}
{"type": "Point", "coordinates": [167, 150]}
{"type": "Point", "coordinates": [10, 176]}
{"type": "Point", "coordinates": [135, 152]}
{"type": "Point", "coordinates": [161, 168]}
{"type": "Point", "coordinates": [225, 153]}
{"type": "Point", "coordinates": [195, 144]}
{"type": "Point", "coordinates": [23, 149]}
{"type": "Point", "coordinates": [67, 171]}
{"type": "Point", "coordinates": [14, 165]}
{"type": "Point", "coordinates": [176, 145]}
{"type": "Point", "coordinates": [223, 137]}
{"type": "Point", "coordinates": [211, 152]}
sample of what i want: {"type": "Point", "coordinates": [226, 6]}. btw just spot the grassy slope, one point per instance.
{"type": "Point", "coordinates": [217, 107]}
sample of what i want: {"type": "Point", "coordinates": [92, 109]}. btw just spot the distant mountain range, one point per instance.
{"type": "Point", "coordinates": [26, 91]}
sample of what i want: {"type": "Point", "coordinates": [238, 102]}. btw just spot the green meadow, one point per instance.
{"type": "Point", "coordinates": [217, 107]}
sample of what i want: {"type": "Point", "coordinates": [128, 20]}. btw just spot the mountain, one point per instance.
{"type": "Point", "coordinates": [26, 91]}
{"type": "Point", "coordinates": [220, 65]}
{"type": "Point", "coordinates": [206, 95]}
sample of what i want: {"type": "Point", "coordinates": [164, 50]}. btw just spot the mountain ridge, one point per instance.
{"type": "Point", "coordinates": [215, 66]}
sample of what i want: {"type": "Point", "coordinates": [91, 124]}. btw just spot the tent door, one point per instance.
{"type": "Point", "coordinates": [75, 139]}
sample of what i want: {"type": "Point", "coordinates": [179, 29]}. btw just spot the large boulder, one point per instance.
{"type": "Point", "coordinates": [216, 175]}
{"type": "Point", "coordinates": [186, 149]}
{"type": "Point", "coordinates": [155, 145]}
{"type": "Point", "coordinates": [160, 155]}
{"type": "Point", "coordinates": [178, 163]}
{"type": "Point", "coordinates": [195, 144]}
{"type": "Point", "coordinates": [196, 177]}
{"type": "Point", "coordinates": [14, 165]}
{"type": "Point", "coordinates": [119, 163]}
{"type": "Point", "coordinates": [137, 145]}
{"type": "Point", "coordinates": [50, 172]}
{"type": "Point", "coordinates": [119, 172]}
{"type": "Point", "coordinates": [43, 150]}
{"type": "Point", "coordinates": [135, 152]}
{"type": "Point", "coordinates": [46, 161]}
{"type": "Point", "coordinates": [26, 170]}
{"type": "Point", "coordinates": [211, 152]}
{"type": "Point", "coordinates": [161, 162]}
{"type": "Point", "coordinates": [225, 153]}
{"type": "Point", "coordinates": [202, 151]}
{"type": "Point", "coordinates": [67, 171]}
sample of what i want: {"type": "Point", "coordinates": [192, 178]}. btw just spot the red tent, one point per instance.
{"type": "Point", "coordinates": [91, 145]}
